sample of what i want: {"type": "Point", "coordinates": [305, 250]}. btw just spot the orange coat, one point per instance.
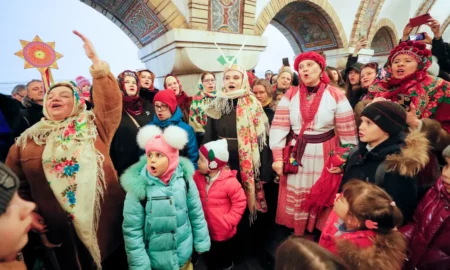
{"type": "Point", "coordinates": [27, 164]}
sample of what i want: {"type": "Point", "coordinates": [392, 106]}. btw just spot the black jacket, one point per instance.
{"type": "Point", "coordinates": [124, 148]}
{"type": "Point", "coordinates": [404, 158]}
{"type": "Point", "coordinates": [33, 113]}
{"type": "Point", "coordinates": [147, 94]}
{"type": "Point", "coordinates": [441, 50]}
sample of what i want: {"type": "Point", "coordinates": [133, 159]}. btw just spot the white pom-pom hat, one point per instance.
{"type": "Point", "coordinates": [216, 153]}
{"type": "Point", "coordinates": [168, 143]}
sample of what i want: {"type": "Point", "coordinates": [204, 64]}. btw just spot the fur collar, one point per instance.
{"type": "Point", "coordinates": [413, 155]}
{"type": "Point", "coordinates": [133, 182]}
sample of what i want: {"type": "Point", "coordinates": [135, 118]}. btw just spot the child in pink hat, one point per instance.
{"type": "Point", "coordinates": [223, 201]}
{"type": "Point", "coordinates": [163, 216]}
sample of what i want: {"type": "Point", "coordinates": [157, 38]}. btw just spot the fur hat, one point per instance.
{"type": "Point", "coordinates": [9, 183]}
{"type": "Point", "coordinates": [388, 115]}
{"type": "Point", "coordinates": [216, 153]}
{"type": "Point", "coordinates": [82, 81]}
{"type": "Point", "coordinates": [168, 143]}
{"type": "Point", "coordinates": [168, 97]}
{"type": "Point", "coordinates": [319, 59]}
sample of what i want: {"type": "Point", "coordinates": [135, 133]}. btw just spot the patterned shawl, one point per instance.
{"type": "Point", "coordinates": [197, 115]}
{"type": "Point", "coordinates": [73, 167]}
{"type": "Point", "coordinates": [252, 127]}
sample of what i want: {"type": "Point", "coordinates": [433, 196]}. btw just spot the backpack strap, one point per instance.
{"type": "Point", "coordinates": [380, 173]}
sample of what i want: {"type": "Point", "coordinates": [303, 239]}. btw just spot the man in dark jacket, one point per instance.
{"type": "Point", "coordinates": [18, 93]}
{"type": "Point", "coordinates": [383, 143]}
{"type": "Point", "coordinates": [33, 102]}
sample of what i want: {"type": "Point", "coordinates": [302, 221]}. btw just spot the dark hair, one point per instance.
{"type": "Point", "coordinates": [299, 253]}
{"type": "Point", "coordinates": [367, 201]}
{"type": "Point", "coordinates": [18, 88]}
{"type": "Point", "coordinates": [340, 80]}
{"type": "Point", "coordinates": [204, 73]}
{"type": "Point", "coordinates": [32, 81]}
{"type": "Point", "coordinates": [146, 70]}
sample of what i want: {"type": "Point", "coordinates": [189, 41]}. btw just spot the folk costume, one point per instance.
{"type": "Point", "coordinates": [238, 117]}
{"type": "Point", "coordinates": [137, 112]}
{"type": "Point", "coordinates": [430, 95]}
{"type": "Point", "coordinates": [65, 168]}
{"type": "Point", "coordinates": [322, 118]}
{"type": "Point", "coordinates": [197, 115]}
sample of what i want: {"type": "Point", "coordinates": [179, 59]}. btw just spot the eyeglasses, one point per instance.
{"type": "Point", "coordinates": [209, 81]}
{"type": "Point", "coordinates": [161, 108]}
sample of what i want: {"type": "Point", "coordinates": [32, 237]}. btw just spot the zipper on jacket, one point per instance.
{"type": "Point", "coordinates": [160, 198]}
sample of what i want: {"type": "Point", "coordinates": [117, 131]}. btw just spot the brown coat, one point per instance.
{"type": "Point", "coordinates": [27, 164]}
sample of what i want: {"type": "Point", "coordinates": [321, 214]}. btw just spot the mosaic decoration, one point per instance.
{"type": "Point", "coordinates": [366, 23]}
{"type": "Point", "coordinates": [40, 55]}
{"type": "Point", "coordinates": [136, 16]}
{"type": "Point", "coordinates": [382, 42]}
{"type": "Point", "coordinates": [309, 28]}
{"type": "Point", "coordinates": [226, 16]}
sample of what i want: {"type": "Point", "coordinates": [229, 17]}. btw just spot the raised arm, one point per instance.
{"type": "Point", "coordinates": [106, 94]}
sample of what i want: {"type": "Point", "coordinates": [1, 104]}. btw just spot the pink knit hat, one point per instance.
{"type": "Point", "coordinates": [168, 143]}
{"type": "Point", "coordinates": [82, 81]}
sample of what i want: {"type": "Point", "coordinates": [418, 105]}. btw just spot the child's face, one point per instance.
{"type": "Point", "coordinates": [202, 164]}
{"type": "Point", "coordinates": [157, 163]}
{"type": "Point", "coordinates": [15, 224]}
{"type": "Point", "coordinates": [162, 110]}
{"type": "Point", "coordinates": [369, 132]}
{"type": "Point", "coordinates": [232, 80]}
{"type": "Point", "coordinates": [341, 208]}
{"type": "Point", "coordinates": [446, 175]}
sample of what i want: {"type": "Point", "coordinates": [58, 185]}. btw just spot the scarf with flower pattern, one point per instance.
{"type": "Point", "coordinates": [252, 127]}
{"type": "Point", "coordinates": [197, 115]}
{"type": "Point", "coordinates": [73, 166]}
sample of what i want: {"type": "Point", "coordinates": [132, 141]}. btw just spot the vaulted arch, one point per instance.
{"type": "Point", "coordinates": [366, 15]}
{"type": "Point", "coordinates": [314, 23]}
{"type": "Point", "coordinates": [424, 7]}
{"type": "Point", "coordinates": [383, 38]}
{"type": "Point", "coordinates": [142, 21]}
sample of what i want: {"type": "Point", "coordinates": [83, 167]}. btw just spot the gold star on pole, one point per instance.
{"type": "Point", "coordinates": [39, 54]}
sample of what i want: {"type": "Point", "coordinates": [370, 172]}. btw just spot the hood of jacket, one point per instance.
{"type": "Point", "coordinates": [176, 118]}
{"type": "Point", "coordinates": [132, 181]}
{"type": "Point", "coordinates": [403, 155]}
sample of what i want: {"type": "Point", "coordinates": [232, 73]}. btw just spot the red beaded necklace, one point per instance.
{"type": "Point", "coordinates": [309, 110]}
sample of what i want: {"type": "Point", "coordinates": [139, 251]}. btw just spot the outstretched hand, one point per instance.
{"type": "Point", "coordinates": [406, 31]}
{"type": "Point", "coordinates": [88, 48]}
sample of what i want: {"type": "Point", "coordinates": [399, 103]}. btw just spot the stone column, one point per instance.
{"type": "Point", "coordinates": [187, 53]}
{"type": "Point", "coordinates": [338, 58]}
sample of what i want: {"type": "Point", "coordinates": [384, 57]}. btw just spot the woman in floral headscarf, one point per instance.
{"type": "Point", "coordinates": [64, 167]}
{"type": "Point", "coordinates": [137, 112]}
{"type": "Point", "coordinates": [407, 81]}
{"type": "Point", "coordinates": [183, 100]}
{"type": "Point", "coordinates": [205, 95]}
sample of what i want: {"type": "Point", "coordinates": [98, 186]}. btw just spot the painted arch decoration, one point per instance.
{"type": "Point", "coordinates": [310, 28]}
{"type": "Point", "coordinates": [382, 42]}
{"type": "Point", "coordinates": [226, 16]}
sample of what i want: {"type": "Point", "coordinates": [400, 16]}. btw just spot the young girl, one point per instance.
{"type": "Point", "coordinates": [299, 253]}
{"type": "Point", "coordinates": [15, 220]}
{"type": "Point", "coordinates": [163, 216]}
{"type": "Point", "coordinates": [167, 113]}
{"type": "Point", "coordinates": [429, 232]}
{"type": "Point", "coordinates": [362, 229]}
{"type": "Point", "coordinates": [223, 201]}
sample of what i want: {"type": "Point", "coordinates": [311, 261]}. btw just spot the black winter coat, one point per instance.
{"type": "Point", "coordinates": [124, 148]}
{"type": "Point", "coordinates": [148, 95]}
{"type": "Point", "coordinates": [404, 158]}
{"type": "Point", "coordinates": [33, 114]}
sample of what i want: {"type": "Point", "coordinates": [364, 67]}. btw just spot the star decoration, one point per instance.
{"type": "Point", "coordinates": [39, 54]}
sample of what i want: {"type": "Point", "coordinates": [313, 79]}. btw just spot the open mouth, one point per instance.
{"type": "Point", "coordinates": [231, 87]}
{"type": "Point", "coordinates": [56, 105]}
{"type": "Point", "coordinates": [361, 135]}
{"type": "Point", "coordinates": [152, 169]}
{"type": "Point", "coordinates": [400, 72]}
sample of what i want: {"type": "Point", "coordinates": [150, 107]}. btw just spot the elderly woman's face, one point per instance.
{"type": "Point", "coordinates": [59, 103]}
{"type": "Point", "coordinates": [284, 80]}
{"type": "Point", "coordinates": [309, 72]}
{"type": "Point", "coordinates": [403, 65]}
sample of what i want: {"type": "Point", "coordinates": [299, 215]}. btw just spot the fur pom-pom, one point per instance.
{"type": "Point", "coordinates": [175, 137]}
{"type": "Point", "coordinates": [147, 133]}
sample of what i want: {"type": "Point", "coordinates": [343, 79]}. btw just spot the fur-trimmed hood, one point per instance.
{"type": "Point", "coordinates": [133, 182]}
{"type": "Point", "coordinates": [413, 156]}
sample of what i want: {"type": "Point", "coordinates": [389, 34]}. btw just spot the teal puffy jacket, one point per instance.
{"type": "Point", "coordinates": [162, 235]}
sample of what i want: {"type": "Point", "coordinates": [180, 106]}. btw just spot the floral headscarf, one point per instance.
{"type": "Point", "coordinates": [201, 101]}
{"type": "Point", "coordinates": [73, 166]}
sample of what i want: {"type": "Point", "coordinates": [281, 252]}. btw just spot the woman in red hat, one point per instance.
{"type": "Point", "coordinates": [426, 98]}
{"type": "Point", "coordinates": [310, 121]}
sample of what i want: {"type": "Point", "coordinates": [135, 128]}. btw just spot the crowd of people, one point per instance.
{"type": "Point", "coordinates": [350, 167]}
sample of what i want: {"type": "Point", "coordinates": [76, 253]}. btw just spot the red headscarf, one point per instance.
{"type": "Point", "coordinates": [133, 105]}
{"type": "Point", "coordinates": [319, 59]}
